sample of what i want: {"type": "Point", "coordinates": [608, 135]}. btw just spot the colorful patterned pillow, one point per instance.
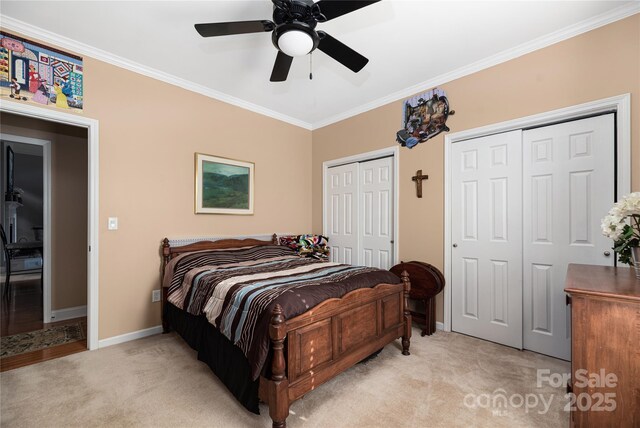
{"type": "Point", "coordinates": [313, 246]}
{"type": "Point", "coordinates": [309, 245]}
{"type": "Point", "coordinates": [289, 241]}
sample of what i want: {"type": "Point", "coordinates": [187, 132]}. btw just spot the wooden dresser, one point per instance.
{"type": "Point", "coordinates": [605, 340]}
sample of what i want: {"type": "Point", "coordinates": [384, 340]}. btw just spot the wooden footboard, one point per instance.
{"type": "Point", "coordinates": [330, 338]}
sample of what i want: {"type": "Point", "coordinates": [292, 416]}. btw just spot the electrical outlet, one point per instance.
{"type": "Point", "coordinates": [155, 296]}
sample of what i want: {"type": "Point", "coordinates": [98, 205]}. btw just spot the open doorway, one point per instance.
{"type": "Point", "coordinates": [44, 215]}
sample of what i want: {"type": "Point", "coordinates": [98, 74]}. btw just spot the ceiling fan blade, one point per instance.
{"type": "Point", "coordinates": [229, 28]}
{"type": "Point", "coordinates": [341, 52]}
{"type": "Point", "coordinates": [281, 67]}
{"type": "Point", "coordinates": [335, 8]}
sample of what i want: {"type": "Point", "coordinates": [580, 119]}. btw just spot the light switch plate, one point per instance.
{"type": "Point", "coordinates": [113, 223]}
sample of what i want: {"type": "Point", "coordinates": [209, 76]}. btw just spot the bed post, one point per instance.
{"type": "Point", "coordinates": [279, 384]}
{"type": "Point", "coordinates": [406, 337]}
{"type": "Point", "coordinates": [166, 256]}
{"type": "Point", "coordinates": [274, 239]}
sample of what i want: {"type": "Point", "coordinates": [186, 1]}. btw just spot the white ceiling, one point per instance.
{"type": "Point", "coordinates": [411, 45]}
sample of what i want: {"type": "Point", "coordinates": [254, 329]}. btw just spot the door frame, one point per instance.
{"type": "Point", "coordinates": [46, 215]}
{"type": "Point", "coordinates": [620, 104]}
{"type": "Point", "coordinates": [392, 152]}
{"type": "Point", "coordinates": [92, 126]}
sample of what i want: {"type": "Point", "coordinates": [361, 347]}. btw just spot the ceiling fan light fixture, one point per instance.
{"type": "Point", "coordinates": [295, 38]}
{"type": "Point", "coordinates": [295, 43]}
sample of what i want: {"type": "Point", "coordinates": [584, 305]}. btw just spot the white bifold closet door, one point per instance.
{"type": "Point", "coordinates": [359, 212]}
{"type": "Point", "coordinates": [524, 205]}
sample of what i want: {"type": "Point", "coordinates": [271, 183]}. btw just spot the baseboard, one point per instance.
{"type": "Point", "coordinates": [157, 330]}
{"type": "Point", "coordinates": [130, 336]}
{"type": "Point", "coordinates": [68, 313]}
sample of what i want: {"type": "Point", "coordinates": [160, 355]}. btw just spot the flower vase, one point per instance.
{"type": "Point", "coordinates": [635, 252]}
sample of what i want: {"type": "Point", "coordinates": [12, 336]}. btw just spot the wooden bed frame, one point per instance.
{"type": "Point", "coordinates": [324, 341]}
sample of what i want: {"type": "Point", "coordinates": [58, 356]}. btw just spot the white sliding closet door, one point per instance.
{"type": "Point", "coordinates": [376, 213]}
{"type": "Point", "coordinates": [524, 205]}
{"type": "Point", "coordinates": [486, 223]}
{"type": "Point", "coordinates": [569, 180]}
{"type": "Point", "coordinates": [341, 206]}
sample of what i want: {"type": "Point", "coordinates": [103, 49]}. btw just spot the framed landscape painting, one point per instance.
{"type": "Point", "coordinates": [223, 186]}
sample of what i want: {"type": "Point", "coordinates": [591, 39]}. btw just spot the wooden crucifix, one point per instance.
{"type": "Point", "coordinates": [418, 179]}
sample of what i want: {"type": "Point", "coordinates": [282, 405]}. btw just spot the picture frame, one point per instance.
{"type": "Point", "coordinates": [32, 72]}
{"type": "Point", "coordinates": [223, 186]}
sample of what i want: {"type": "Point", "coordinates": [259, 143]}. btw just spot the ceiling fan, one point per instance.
{"type": "Point", "coordinates": [294, 34]}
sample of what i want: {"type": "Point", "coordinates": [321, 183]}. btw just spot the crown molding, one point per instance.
{"type": "Point", "coordinates": [504, 56]}
{"type": "Point", "coordinates": [31, 31]}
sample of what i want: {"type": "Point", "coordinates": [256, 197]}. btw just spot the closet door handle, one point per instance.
{"type": "Point", "coordinates": [607, 253]}
{"type": "Point", "coordinates": [455, 245]}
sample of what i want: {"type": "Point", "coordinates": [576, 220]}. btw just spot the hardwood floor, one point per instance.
{"type": "Point", "coordinates": [22, 313]}
{"type": "Point", "coordinates": [28, 358]}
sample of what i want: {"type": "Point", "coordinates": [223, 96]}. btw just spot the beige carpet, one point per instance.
{"type": "Point", "coordinates": [158, 381]}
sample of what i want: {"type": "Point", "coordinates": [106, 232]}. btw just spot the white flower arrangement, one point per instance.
{"type": "Point", "coordinates": [622, 224]}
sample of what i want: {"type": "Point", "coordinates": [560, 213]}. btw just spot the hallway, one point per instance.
{"type": "Point", "coordinates": [21, 314]}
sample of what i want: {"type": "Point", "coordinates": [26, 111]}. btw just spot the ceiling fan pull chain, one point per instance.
{"type": "Point", "coordinates": [310, 66]}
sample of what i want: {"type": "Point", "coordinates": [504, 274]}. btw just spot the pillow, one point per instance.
{"type": "Point", "coordinates": [289, 241]}
{"type": "Point", "coordinates": [314, 246]}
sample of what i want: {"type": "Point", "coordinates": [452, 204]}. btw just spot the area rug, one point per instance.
{"type": "Point", "coordinates": [41, 339]}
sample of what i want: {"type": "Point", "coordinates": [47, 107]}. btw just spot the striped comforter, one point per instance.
{"type": "Point", "coordinates": [237, 289]}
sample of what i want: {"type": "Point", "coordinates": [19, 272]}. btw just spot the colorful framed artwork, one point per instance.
{"type": "Point", "coordinates": [34, 73]}
{"type": "Point", "coordinates": [423, 117]}
{"type": "Point", "coordinates": [223, 186]}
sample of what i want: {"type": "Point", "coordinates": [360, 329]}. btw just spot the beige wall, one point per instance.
{"type": "Point", "coordinates": [149, 132]}
{"type": "Point", "coordinates": [68, 208]}
{"type": "Point", "coordinates": [599, 64]}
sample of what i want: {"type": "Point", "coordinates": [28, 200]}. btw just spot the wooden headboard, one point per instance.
{"type": "Point", "coordinates": [169, 252]}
